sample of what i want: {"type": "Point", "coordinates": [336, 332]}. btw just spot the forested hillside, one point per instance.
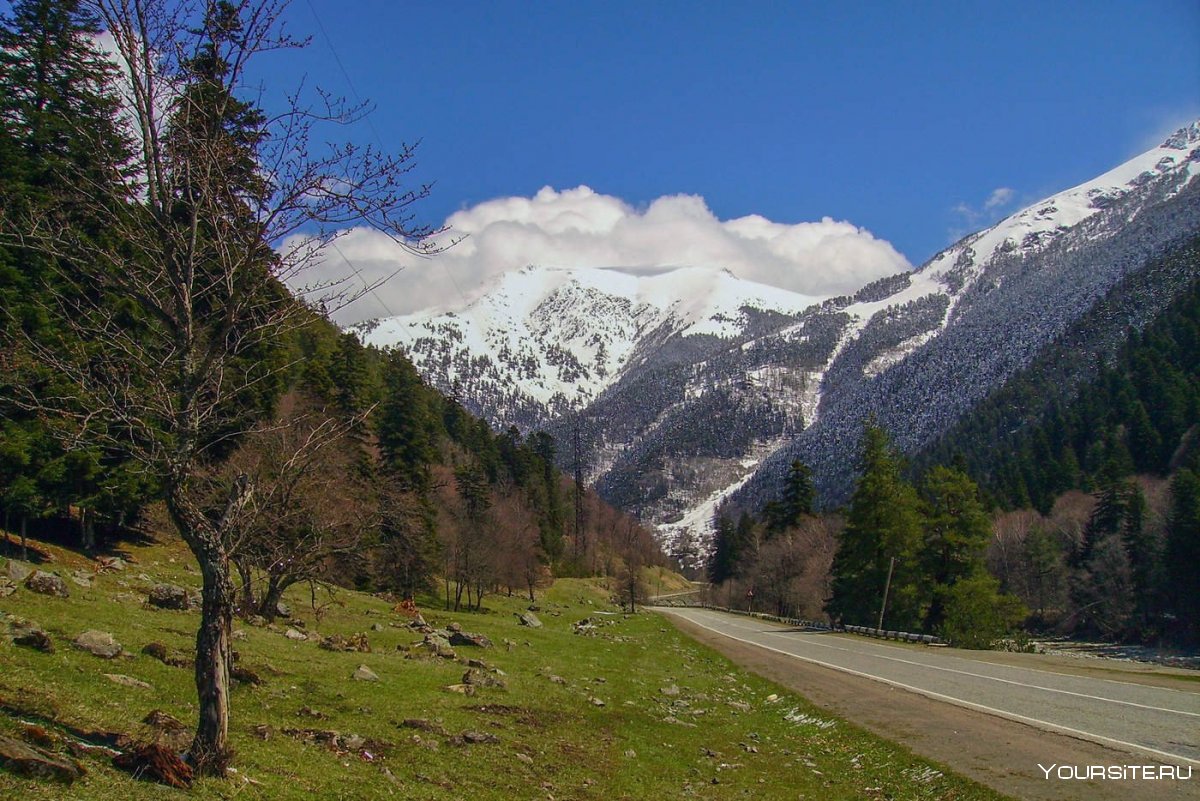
{"type": "Point", "coordinates": [154, 362]}
{"type": "Point", "coordinates": [402, 485]}
{"type": "Point", "coordinates": [1087, 403]}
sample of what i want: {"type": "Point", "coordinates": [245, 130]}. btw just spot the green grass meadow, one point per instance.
{"type": "Point", "coordinates": [633, 711]}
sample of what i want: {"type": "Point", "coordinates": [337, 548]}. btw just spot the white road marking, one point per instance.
{"type": "Point", "coordinates": [984, 675]}
{"type": "Point", "coordinates": [1043, 724]}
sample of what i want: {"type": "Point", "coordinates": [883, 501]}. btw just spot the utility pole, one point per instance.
{"type": "Point", "coordinates": [887, 586]}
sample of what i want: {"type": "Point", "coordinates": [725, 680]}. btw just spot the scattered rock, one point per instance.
{"type": "Point", "coordinates": [377, 627]}
{"type": "Point", "coordinates": [595, 701]}
{"type": "Point", "coordinates": [126, 681]}
{"type": "Point", "coordinates": [238, 634]}
{"type": "Point", "coordinates": [630, 754]}
{"type": "Point", "coordinates": [257, 620]}
{"type": "Point", "coordinates": [283, 610]}
{"type": "Point", "coordinates": [353, 643]}
{"type": "Point", "coordinates": [98, 643]}
{"type": "Point", "coordinates": [110, 564]}
{"type": "Point", "coordinates": [453, 627]}
{"type": "Point", "coordinates": [309, 712]}
{"type": "Point", "coordinates": [364, 673]}
{"type": "Point", "coordinates": [7, 587]}
{"type": "Point", "coordinates": [670, 690]}
{"type": "Point", "coordinates": [18, 571]}
{"type": "Point", "coordinates": [28, 760]}
{"type": "Point", "coordinates": [557, 680]}
{"type": "Point", "coordinates": [480, 679]}
{"type": "Point", "coordinates": [340, 743]}
{"type": "Point", "coordinates": [156, 763]}
{"type": "Point", "coordinates": [244, 675]}
{"type": "Point", "coordinates": [263, 731]}
{"type": "Point", "coordinates": [45, 583]}
{"type": "Point", "coordinates": [169, 596]}
{"type": "Point", "coordinates": [82, 578]}
{"type": "Point", "coordinates": [740, 706]}
{"type": "Point", "coordinates": [474, 738]}
{"type": "Point", "coordinates": [32, 636]}
{"type": "Point", "coordinates": [525, 758]}
{"type": "Point", "coordinates": [437, 645]}
{"type": "Point", "coordinates": [295, 634]}
{"type": "Point", "coordinates": [162, 654]}
{"type": "Point", "coordinates": [461, 637]}
{"type": "Point", "coordinates": [461, 689]}
{"type": "Point", "coordinates": [528, 619]}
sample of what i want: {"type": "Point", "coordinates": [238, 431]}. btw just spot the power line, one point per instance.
{"type": "Point", "coordinates": [379, 141]}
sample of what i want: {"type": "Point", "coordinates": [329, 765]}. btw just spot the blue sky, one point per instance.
{"type": "Point", "coordinates": [896, 117]}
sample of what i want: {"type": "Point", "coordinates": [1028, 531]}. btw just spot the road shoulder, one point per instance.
{"type": "Point", "coordinates": [1003, 754]}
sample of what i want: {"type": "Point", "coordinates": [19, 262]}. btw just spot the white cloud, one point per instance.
{"type": "Point", "coordinates": [976, 217]}
{"type": "Point", "coordinates": [582, 228]}
{"type": "Point", "coordinates": [1000, 197]}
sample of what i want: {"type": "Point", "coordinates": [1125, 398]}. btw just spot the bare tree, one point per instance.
{"type": "Point", "coordinates": [175, 312]}
{"type": "Point", "coordinates": [520, 561]}
{"type": "Point", "coordinates": [312, 507]}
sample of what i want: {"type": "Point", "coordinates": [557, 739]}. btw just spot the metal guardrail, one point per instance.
{"type": "Point", "coordinates": [817, 625]}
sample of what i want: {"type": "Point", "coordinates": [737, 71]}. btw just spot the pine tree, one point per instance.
{"type": "Point", "coordinates": [883, 523]}
{"type": "Point", "coordinates": [723, 561]}
{"type": "Point", "coordinates": [405, 426]}
{"type": "Point", "coordinates": [956, 532]}
{"type": "Point", "coordinates": [1182, 586]}
{"type": "Point", "coordinates": [797, 501]}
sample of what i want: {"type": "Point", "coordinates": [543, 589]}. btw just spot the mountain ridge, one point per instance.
{"type": "Point", "coordinates": [680, 407]}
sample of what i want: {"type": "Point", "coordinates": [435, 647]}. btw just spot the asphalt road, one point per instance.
{"type": "Point", "coordinates": [1144, 721]}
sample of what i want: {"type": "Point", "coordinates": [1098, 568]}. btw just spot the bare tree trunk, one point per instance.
{"type": "Point", "coordinates": [210, 752]}
{"type": "Point", "coordinates": [269, 608]}
{"type": "Point", "coordinates": [247, 589]}
{"type": "Point", "coordinates": [24, 539]}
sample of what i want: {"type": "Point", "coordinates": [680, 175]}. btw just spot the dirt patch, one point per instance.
{"type": "Point", "coordinates": [999, 753]}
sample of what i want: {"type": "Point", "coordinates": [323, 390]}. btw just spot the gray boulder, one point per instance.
{"type": "Point", "coordinates": [364, 673]}
{"type": "Point", "coordinates": [98, 643]}
{"type": "Point", "coordinates": [528, 619]}
{"type": "Point", "coordinates": [46, 584]}
{"type": "Point", "coordinates": [30, 635]}
{"type": "Point", "coordinates": [17, 570]}
{"type": "Point", "coordinates": [27, 760]}
{"type": "Point", "coordinates": [467, 638]}
{"type": "Point", "coordinates": [169, 596]}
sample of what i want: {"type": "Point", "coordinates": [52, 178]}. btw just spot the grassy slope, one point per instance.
{"type": "Point", "coordinates": [725, 735]}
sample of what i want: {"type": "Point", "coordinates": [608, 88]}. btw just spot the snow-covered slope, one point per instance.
{"type": "Point", "coordinates": [690, 386]}
{"type": "Point", "coordinates": [554, 339]}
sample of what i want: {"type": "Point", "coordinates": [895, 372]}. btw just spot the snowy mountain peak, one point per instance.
{"type": "Point", "coordinates": [545, 340]}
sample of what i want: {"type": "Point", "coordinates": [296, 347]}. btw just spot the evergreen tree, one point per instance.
{"type": "Point", "coordinates": [956, 532]}
{"type": "Point", "coordinates": [405, 426]}
{"type": "Point", "coordinates": [722, 564]}
{"type": "Point", "coordinates": [1182, 585]}
{"type": "Point", "coordinates": [883, 523]}
{"type": "Point", "coordinates": [797, 501]}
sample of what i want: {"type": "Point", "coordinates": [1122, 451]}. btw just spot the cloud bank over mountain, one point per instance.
{"type": "Point", "coordinates": [583, 228]}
